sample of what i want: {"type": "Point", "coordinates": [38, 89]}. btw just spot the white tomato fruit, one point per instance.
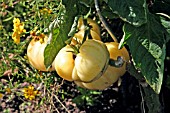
{"type": "Point", "coordinates": [64, 63]}
{"type": "Point", "coordinates": [91, 61]}
{"type": "Point", "coordinates": [35, 54]}
{"type": "Point", "coordinates": [112, 74]}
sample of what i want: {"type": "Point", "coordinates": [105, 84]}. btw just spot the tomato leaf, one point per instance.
{"type": "Point", "coordinates": [166, 23]}
{"type": "Point", "coordinates": [147, 46]}
{"type": "Point", "coordinates": [59, 33]}
{"type": "Point", "coordinates": [131, 11]}
{"type": "Point", "coordinates": [52, 49]}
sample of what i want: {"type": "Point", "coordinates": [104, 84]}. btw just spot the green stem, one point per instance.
{"type": "Point", "coordinates": [106, 26]}
{"type": "Point", "coordinates": [152, 100]}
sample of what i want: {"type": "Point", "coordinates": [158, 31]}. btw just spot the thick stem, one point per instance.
{"type": "Point", "coordinates": [152, 100]}
{"type": "Point", "coordinates": [150, 97]}
{"type": "Point", "coordinates": [106, 26]}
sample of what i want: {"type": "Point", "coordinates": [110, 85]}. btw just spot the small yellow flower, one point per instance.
{"type": "Point", "coordinates": [8, 90]}
{"type": "Point", "coordinates": [1, 95]}
{"type": "Point", "coordinates": [45, 10]}
{"type": "Point", "coordinates": [16, 21]}
{"type": "Point", "coordinates": [16, 37]}
{"type": "Point", "coordinates": [18, 30]}
{"type": "Point", "coordinates": [30, 93]}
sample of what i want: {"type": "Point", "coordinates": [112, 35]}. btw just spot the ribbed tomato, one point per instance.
{"type": "Point", "coordinates": [115, 52]}
{"type": "Point", "coordinates": [86, 65]}
{"type": "Point", "coordinates": [64, 63]}
{"type": "Point", "coordinates": [91, 60]}
{"type": "Point", "coordinates": [112, 74]}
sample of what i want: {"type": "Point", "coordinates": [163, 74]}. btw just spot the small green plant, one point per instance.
{"type": "Point", "coordinates": [86, 97]}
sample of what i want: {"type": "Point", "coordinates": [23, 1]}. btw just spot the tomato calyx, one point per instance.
{"type": "Point", "coordinates": [87, 33]}
{"type": "Point", "coordinates": [117, 63]}
{"type": "Point", "coordinates": [78, 44]}
{"type": "Point", "coordinates": [85, 28]}
{"type": "Point", "coordinates": [75, 49]}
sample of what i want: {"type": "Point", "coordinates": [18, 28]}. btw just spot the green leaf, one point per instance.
{"type": "Point", "coordinates": [8, 19]}
{"type": "Point", "coordinates": [109, 14]}
{"type": "Point", "coordinates": [60, 34]}
{"type": "Point", "coordinates": [147, 46]}
{"type": "Point", "coordinates": [84, 7]}
{"type": "Point", "coordinates": [165, 21]}
{"type": "Point", "coordinates": [52, 49]}
{"type": "Point", "coordinates": [131, 11]}
{"type": "Point", "coordinates": [79, 100]}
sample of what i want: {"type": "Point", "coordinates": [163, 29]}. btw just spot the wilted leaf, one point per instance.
{"type": "Point", "coordinates": [147, 46]}
{"type": "Point", "coordinates": [131, 11]}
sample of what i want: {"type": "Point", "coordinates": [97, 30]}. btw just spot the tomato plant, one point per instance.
{"type": "Point", "coordinates": [88, 58]}
{"type": "Point", "coordinates": [78, 37]}
{"type": "Point", "coordinates": [145, 33]}
{"type": "Point", "coordinates": [108, 40]}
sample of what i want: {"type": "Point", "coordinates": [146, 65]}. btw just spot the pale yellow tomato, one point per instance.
{"type": "Point", "coordinates": [94, 31]}
{"type": "Point", "coordinates": [64, 63]}
{"type": "Point", "coordinates": [91, 60]}
{"type": "Point", "coordinates": [106, 80]}
{"type": "Point", "coordinates": [115, 52]}
{"type": "Point", "coordinates": [112, 74]}
{"type": "Point", "coordinates": [78, 37]}
{"type": "Point", "coordinates": [92, 23]}
{"type": "Point", "coordinates": [35, 54]}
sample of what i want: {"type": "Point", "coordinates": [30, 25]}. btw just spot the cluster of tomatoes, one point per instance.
{"type": "Point", "coordinates": [89, 66]}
